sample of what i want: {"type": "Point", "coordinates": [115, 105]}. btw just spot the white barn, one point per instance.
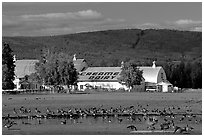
{"type": "Point", "coordinates": [103, 77]}
{"type": "Point", "coordinates": [107, 77]}
{"type": "Point", "coordinates": [153, 75]}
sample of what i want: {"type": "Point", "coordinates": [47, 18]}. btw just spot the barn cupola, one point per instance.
{"type": "Point", "coordinates": [154, 64]}
{"type": "Point", "coordinates": [122, 64]}
{"type": "Point", "coordinates": [74, 59]}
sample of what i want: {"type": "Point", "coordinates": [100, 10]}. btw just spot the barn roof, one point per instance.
{"type": "Point", "coordinates": [105, 69]}
{"type": "Point", "coordinates": [25, 67]}
{"type": "Point", "coordinates": [100, 74]}
{"type": "Point", "coordinates": [150, 74]}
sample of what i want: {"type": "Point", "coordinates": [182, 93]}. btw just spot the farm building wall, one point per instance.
{"type": "Point", "coordinates": [161, 75]}
{"type": "Point", "coordinates": [109, 85]}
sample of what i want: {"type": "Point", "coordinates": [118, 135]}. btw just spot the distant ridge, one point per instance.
{"type": "Point", "coordinates": [109, 47]}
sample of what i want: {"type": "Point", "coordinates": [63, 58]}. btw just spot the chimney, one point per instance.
{"type": "Point", "coordinates": [154, 65]}
{"type": "Point", "coordinates": [74, 59]}
{"type": "Point", "coordinates": [122, 64]}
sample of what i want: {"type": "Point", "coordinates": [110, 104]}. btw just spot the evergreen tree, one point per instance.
{"type": "Point", "coordinates": [130, 75]}
{"type": "Point", "coordinates": [8, 67]}
{"type": "Point", "coordinates": [188, 71]}
{"type": "Point", "coordinates": [182, 75]}
{"type": "Point", "coordinates": [196, 75]}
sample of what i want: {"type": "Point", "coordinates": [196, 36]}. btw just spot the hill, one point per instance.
{"type": "Point", "coordinates": [109, 48]}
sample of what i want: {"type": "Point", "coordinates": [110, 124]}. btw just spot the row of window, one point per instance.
{"type": "Point", "coordinates": [102, 77]}
{"type": "Point", "coordinates": [100, 73]}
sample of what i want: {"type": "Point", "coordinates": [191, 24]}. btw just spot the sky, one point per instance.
{"type": "Point", "coordinates": [47, 19]}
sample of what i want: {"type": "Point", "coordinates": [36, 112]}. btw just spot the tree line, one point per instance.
{"type": "Point", "coordinates": [184, 74]}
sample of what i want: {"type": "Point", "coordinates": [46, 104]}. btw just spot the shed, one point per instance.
{"type": "Point", "coordinates": [165, 86]}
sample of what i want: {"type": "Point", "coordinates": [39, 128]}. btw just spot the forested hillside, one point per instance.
{"type": "Point", "coordinates": [109, 48]}
{"type": "Point", "coordinates": [179, 52]}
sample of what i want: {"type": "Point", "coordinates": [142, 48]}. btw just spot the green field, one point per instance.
{"type": "Point", "coordinates": [191, 100]}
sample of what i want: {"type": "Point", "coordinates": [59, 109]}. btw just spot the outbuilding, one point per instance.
{"type": "Point", "coordinates": [165, 86]}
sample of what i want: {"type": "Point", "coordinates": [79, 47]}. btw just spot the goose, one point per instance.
{"type": "Point", "coordinates": [181, 119]}
{"type": "Point", "coordinates": [29, 110]}
{"type": "Point", "coordinates": [166, 125]}
{"type": "Point", "coordinates": [132, 127]}
{"type": "Point", "coordinates": [151, 121]}
{"type": "Point", "coordinates": [37, 111]}
{"type": "Point", "coordinates": [14, 111]}
{"type": "Point", "coordinates": [21, 110]}
{"type": "Point", "coordinates": [10, 124]}
{"type": "Point", "coordinates": [7, 117]}
{"type": "Point", "coordinates": [109, 121]}
{"type": "Point", "coordinates": [48, 110]}
{"type": "Point", "coordinates": [131, 107]}
{"type": "Point", "coordinates": [119, 120]}
{"type": "Point", "coordinates": [139, 119]}
{"type": "Point", "coordinates": [64, 122]}
{"type": "Point", "coordinates": [186, 129]}
{"type": "Point", "coordinates": [26, 123]}
{"type": "Point", "coordinates": [39, 122]}
{"type": "Point", "coordinates": [59, 111]}
{"type": "Point", "coordinates": [178, 129]}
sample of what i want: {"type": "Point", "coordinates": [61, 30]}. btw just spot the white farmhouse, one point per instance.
{"type": "Point", "coordinates": [23, 68]}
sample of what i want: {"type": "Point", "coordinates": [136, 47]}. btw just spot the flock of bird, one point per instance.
{"type": "Point", "coordinates": [165, 118]}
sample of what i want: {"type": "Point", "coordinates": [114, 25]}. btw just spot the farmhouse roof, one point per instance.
{"type": "Point", "coordinates": [25, 67]}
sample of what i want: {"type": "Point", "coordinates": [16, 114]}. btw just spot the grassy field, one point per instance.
{"type": "Point", "coordinates": [192, 100]}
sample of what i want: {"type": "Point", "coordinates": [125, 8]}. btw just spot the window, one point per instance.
{"type": "Point", "coordinates": [100, 73]}
{"type": "Point", "coordinates": [162, 76]}
{"type": "Point", "coordinates": [116, 73]}
{"type": "Point", "coordinates": [108, 73]}
{"type": "Point", "coordinates": [94, 73]}
{"type": "Point", "coordinates": [91, 77]}
{"type": "Point", "coordinates": [88, 73]}
{"type": "Point", "coordinates": [81, 86]}
{"type": "Point", "coordinates": [106, 77]}
{"type": "Point", "coordinates": [97, 77]}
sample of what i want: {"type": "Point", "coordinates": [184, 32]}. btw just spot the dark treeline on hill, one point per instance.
{"type": "Point", "coordinates": [185, 74]}
{"type": "Point", "coordinates": [109, 48]}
